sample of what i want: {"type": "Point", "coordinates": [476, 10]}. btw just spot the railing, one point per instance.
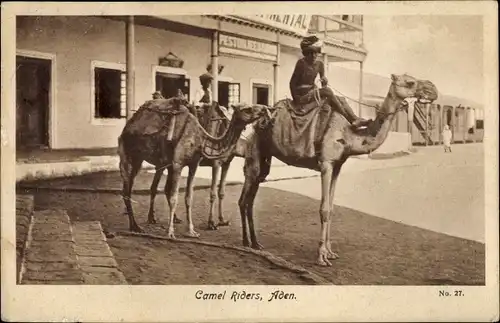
{"type": "Point", "coordinates": [347, 29]}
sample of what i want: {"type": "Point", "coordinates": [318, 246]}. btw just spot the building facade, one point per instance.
{"type": "Point", "coordinates": [74, 90]}
{"type": "Point", "coordinates": [72, 70]}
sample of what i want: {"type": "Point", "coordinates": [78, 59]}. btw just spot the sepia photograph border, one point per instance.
{"type": "Point", "coordinates": [313, 303]}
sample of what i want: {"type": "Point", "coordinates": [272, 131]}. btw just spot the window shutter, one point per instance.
{"type": "Point", "coordinates": [234, 93]}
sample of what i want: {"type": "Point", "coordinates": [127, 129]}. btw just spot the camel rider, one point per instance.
{"type": "Point", "coordinates": [204, 95]}
{"type": "Point", "coordinates": [306, 70]}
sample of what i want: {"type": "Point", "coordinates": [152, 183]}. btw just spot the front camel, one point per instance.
{"type": "Point", "coordinates": [165, 134]}
{"type": "Point", "coordinates": [339, 142]}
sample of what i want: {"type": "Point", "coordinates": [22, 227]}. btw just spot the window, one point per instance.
{"type": "Point", "coordinates": [260, 94]}
{"type": "Point", "coordinates": [169, 84]}
{"type": "Point", "coordinates": [109, 93]}
{"type": "Point", "coordinates": [228, 93]}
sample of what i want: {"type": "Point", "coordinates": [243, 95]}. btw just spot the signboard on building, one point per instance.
{"type": "Point", "coordinates": [236, 45]}
{"type": "Point", "coordinates": [298, 24]}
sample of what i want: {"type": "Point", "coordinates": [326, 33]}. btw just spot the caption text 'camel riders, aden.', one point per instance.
{"type": "Point", "coordinates": [243, 295]}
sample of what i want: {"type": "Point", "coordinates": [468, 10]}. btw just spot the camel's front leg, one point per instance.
{"type": "Point", "coordinates": [324, 212]}
{"type": "Point", "coordinates": [153, 191]}
{"type": "Point", "coordinates": [222, 193]}
{"type": "Point", "coordinates": [335, 175]}
{"type": "Point", "coordinates": [251, 171]}
{"type": "Point", "coordinates": [172, 194]}
{"type": "Point", "coordinates": [213, 195]}
{"type": "Point", "coordinates": [189, 199]}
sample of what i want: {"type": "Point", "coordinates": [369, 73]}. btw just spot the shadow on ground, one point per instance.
{"type": "Point", "coordinates": [373, 251]}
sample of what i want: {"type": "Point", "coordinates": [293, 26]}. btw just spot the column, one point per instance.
{"type": "Point", "coordinates": [427, 123]}
{"type": "Point", "coordinates": [441, 123]}
{"type": "Point", "coordinates": [276, 72]}
{"type": "Point", "coordinates": [453, 122]}
{"type": "Point", "coordinates": [474, 125]}
{"type": "Point", "coordinates": [130, 53]}
{"type": "Point", "coordinates": [466, 126]}
{"type": "Point", "coordinates": [215, 66]}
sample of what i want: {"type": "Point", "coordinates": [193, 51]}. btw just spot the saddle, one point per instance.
{"type": "Point", "coordinates": [155, 115]}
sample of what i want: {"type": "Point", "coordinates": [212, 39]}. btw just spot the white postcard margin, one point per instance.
{"type": "Point", "coordinates": [177, 303]}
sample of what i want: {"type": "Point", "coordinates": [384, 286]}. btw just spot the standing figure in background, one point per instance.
{"type": "Point", "coordinates": [157, 95]}
{"type": "Point", "coordinates": [447, 138]}
{"type": "Point", "coordinates": [204, 95]}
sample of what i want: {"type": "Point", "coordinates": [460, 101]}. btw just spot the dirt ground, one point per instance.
{"type": "Point", "coordinates": [373, 251]}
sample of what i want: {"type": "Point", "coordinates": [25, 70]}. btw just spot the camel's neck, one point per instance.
{"type": "Point", "coordinates": [221, 147]}
{"type": "Point", "coordinates": [381, 125]}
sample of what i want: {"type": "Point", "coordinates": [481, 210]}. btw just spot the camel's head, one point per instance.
{"type": "Point", "coordinates": [248, 113]}
{"type": "Point", "coordinates": [406, 86]}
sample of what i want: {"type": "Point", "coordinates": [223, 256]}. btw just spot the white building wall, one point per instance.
{"type": "Point", "coordinates": [76, 41]}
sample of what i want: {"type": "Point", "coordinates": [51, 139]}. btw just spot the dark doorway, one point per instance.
{"type": "Point", "coordinates": [260, 94]}
{"type": "Point", "coordinates": [33, 78]}
{"type": "Point", "coordinates": [223, 93]}
{"type": "Point", "coordinates": [168, 84]}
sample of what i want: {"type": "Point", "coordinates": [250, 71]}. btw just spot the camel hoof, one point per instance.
{"type": "Point", "coordinates": [171, 235]}
{"type": "Point", "coordinates": [332, 255]}
{"type": "Point", "coordinates": [246, 243]}
{"type": "Point", "coordinates": [223, 223]}
{"type": "Point", "coordinates": [323, 263]}
{"type": "Point", "coordinates": [257, 246]}
{"type": "Point", "coordinates": [192, 234]}
{"type": "Point", "coordinates": [323, 260]}
{"type": "Point", "coordinates": [212, 226]}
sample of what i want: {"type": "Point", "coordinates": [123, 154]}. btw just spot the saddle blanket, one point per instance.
{"type": "Point", "coordinates": [296, 128]}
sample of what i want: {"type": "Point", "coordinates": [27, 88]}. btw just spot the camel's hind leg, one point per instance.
{"type": "Point", "coordinates": [213, 195]}
{"type": "Point", "coordinates": [189, 199]}
{"type": "Point", "coordinates": [128, 170]}
{"type": "Point", "coordinates": [222, 193]}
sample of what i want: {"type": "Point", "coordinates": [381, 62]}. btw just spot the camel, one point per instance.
{"type": "Point", "coordinates": [339, 142]}
{"type": "Point", "coordinates": [215, 122]}
{"type": "Point", "coordinates": [166, 134]}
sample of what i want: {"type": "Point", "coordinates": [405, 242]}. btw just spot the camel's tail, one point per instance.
{"type": "Point", "coordinates": [121, 148]}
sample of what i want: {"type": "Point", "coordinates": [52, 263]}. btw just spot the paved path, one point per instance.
{"type": "Point", "coordinates": [429, 189]}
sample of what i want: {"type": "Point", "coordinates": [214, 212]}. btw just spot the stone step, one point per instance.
{"type": "Point", "coordinates": [95, 258]}
{"type": "Point", "coordinates": [50, 256]}
{"type": "Point", "coordinates": [24, 212]}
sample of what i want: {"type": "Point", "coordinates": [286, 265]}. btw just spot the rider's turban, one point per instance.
{"type": "Point", "coordinates": [311, 43]}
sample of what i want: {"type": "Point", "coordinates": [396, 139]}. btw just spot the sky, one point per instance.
{"type": "Point", "coordinates": [444, 49]}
